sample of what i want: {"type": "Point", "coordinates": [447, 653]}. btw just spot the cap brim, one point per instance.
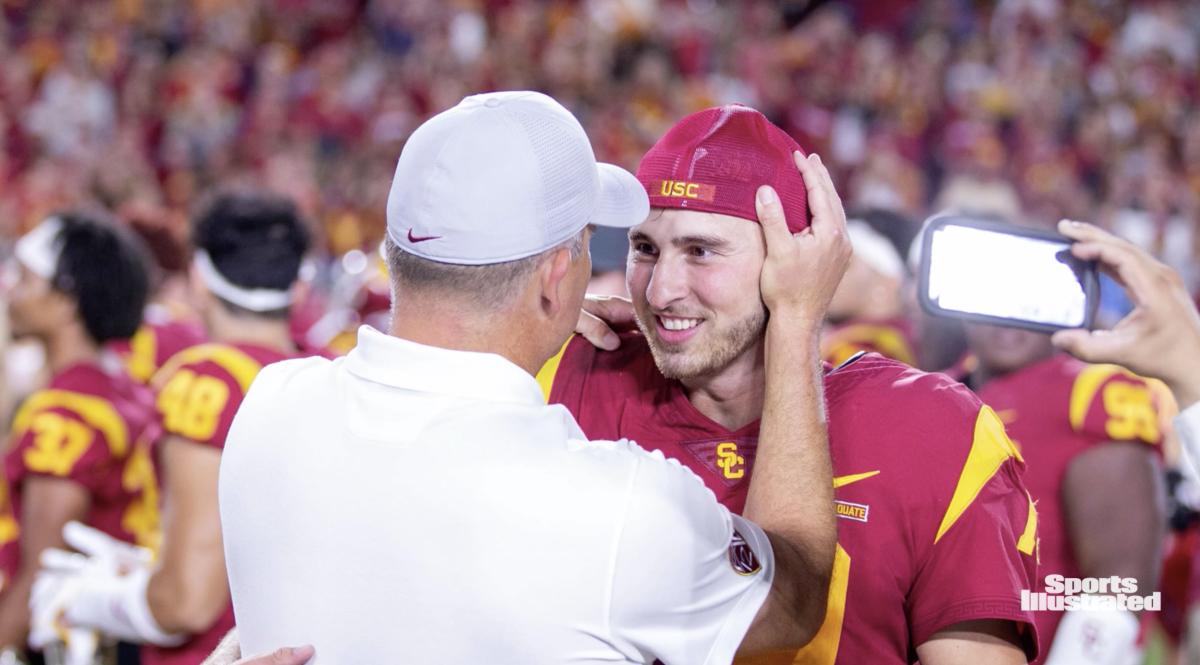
{"type": "Point", "coordinates": [623, 202]}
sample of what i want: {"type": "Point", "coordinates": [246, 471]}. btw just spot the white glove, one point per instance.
{"type": "Point", "coordinates": [1096, 637]}
{"type": "Point", "coordinates": [103, 589]}
{"type": "Point", "coordinates": [47, 604]}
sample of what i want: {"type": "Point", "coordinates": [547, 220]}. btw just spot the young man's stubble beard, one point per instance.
{"type": "Point", "coordinates": [710, 351]}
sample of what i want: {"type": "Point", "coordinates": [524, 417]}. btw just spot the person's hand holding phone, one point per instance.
{"type": "Point", "coordinates": [1160, 338]}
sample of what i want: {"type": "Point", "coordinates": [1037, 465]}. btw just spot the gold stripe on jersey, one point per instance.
{"type": "Point", "coordinates": [990, 449]}
{"type": "Point", "coordinates": [240, 366]}
{"type": "Point", "coordinates": [1028, 540]}
{"type": "Point", "coordinates": [143, 349]}
{"type": "Point", "coordinates": [545, 375]}
{"type": "Point", "coordinates": [1130, 410]}
{"type": "Point", "coordinates": [1084, 390]}
{"type": "Point", "coordinates": [9, 530]}
{"type": "Point", "coordinates": [823, 647]}
{"type": "Point", "coordinates": [97, 412]}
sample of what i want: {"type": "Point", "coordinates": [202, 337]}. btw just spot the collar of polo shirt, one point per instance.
{"type": "Point", "coordinates": [396, 362]}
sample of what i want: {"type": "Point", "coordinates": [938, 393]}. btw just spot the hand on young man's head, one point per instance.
{"type": "Point", "coordinates": [802, 270]}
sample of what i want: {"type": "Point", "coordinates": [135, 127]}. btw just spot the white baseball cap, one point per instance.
{"type": "Point", "coordinates": [503, 176]}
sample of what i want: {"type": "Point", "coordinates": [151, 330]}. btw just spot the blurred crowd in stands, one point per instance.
{"type": "Point", "coordinates": [1045, 108]}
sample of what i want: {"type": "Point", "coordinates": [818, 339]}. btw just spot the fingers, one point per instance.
{"type": "Point", "coordinates": [614, 310]}
{"type": "Point", "coordinates": [1128, 265]}
{"type": "Point", "coordinates": [828, 216]}
{"type": "Point", "coordinates": [771, 218]}
{"type": "Point", "coordinates": [814, 183]}
{"type": "Point", "coordinates": [284, 656]}
{"type": "Point", "coordinates": [88, 540]}
{"type": "Point", "coordinates": [57, 560]}
{"type": "Point", "coordinates": [1093, 346]}
{"type": "Point", "coordinates": [96, 543]}
{"type": "Point", "coordinates": [1084, 231]}
{"type": "Point", "coordinates": [597, 332]}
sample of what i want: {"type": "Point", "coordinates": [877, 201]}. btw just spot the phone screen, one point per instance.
{"type": "Point", "coordinates": [1006, 274]}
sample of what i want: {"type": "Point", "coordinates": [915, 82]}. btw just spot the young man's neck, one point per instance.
{"type": "Point", "coordinates": [732, 397]}
{"type": "Point", "coordinates": [229, 328]}
{"type": "Point", "coordinates": [69, 346]}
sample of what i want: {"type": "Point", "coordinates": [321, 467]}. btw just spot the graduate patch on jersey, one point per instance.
{"type": "Point", "coordinates": [741, 556]}
{"type": "Point", "coordinates": [851, 511]}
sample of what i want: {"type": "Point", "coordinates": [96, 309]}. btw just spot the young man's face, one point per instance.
{"type": "Point", "coordinates": [34, 307]}
{"type": "Point", "coordinates": [694, 281]}
{"type": "Point", "coordinates": [1002, 350]}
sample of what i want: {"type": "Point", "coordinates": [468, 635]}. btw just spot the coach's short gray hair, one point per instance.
{"type": "Point", "coordinates": [487, 286]}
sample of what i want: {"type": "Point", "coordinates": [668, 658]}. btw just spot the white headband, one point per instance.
{"type": "Point", "coordinates": [255, 300]}
{"type": "Point", "coordinates": [876, 250]}
{"type": "Point", "coordinates": [40, 249]}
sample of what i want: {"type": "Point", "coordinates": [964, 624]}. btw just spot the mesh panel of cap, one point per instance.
{"type": "Point", "coordinates": [732, 149]}
{"type": "Point", "coordinates": [568, 206]}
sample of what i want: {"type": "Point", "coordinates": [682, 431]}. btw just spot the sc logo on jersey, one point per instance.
{"type": "Point", "coordinates": [733, 465]}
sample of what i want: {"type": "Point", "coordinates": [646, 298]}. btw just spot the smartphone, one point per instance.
{"type": "Point", "coordinates": [986, 271]}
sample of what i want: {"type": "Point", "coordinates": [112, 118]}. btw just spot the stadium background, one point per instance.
{"type": "Point", "coordinates": [1042, 108]}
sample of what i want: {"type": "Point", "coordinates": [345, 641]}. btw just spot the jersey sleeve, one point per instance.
{"type": "Point", "coordinates": [69, 435]}
{"type": "Point", "coordinates": [197, 401]}
{"type": "Point", "coordinates": [1109, 403]}
{"type": "Point", "coordinates": [689, 577]}
{"type": "Point", "coordinates": [984, 551]}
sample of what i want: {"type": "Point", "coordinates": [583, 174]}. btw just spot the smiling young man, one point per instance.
{"type": "Point", "coordinates": [937, 535]}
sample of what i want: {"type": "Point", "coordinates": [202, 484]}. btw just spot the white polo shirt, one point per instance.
{"type": "Point", "coordinates": [410, 504]}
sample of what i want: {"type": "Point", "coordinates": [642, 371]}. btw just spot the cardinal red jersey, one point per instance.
{"type": "Point", "coordinates": [935, 525]}
{"type": "Point", "coordinates": [93, 426]}
{"type": "Point", "coordinates": [892, 338]}
{"type": "Point", "coordinates": [154, 343]}
{"type": "Point", "coordinates": [198, 392]}
{"type": "Point", "coordinates": [1054, 410]}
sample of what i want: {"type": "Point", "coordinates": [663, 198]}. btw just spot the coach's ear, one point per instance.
{"type": "Point", "coordinates": [553, 282]}
{"type": "Point", "coordinates": [562, 280]}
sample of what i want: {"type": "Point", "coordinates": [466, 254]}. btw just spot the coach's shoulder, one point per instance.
{"type": "Point", "coordinates": [655, 477]}
{"type": "Point", "coordinates": [289, 381]}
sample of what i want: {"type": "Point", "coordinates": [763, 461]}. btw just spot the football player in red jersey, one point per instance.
{"type": "Point", "coordinates": [1090, 434]}
{"type": "Point", "coordinates": [249, 249]}
{"type": "Point", "coordinates": [165, 329]}
{"type": "Point", "coordinates": [937, 535]}
{"type": "Point", "coordinates": [79, 447]}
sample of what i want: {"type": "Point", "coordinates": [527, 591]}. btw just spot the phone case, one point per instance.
{"type": "Point", "coordinates": [1090, 281]}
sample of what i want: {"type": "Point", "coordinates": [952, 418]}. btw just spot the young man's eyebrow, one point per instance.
{"type": "Point", "coordinates": [713, 242]}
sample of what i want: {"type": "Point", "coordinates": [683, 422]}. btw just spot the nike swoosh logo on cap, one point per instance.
{"type": "Point", "coordinates": [842, 481]}
{"type": "Point", "coordinates": [415, 239]}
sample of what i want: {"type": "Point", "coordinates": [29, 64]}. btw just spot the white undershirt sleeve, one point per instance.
{"type": "Point", "coordinates": [689, 577]}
